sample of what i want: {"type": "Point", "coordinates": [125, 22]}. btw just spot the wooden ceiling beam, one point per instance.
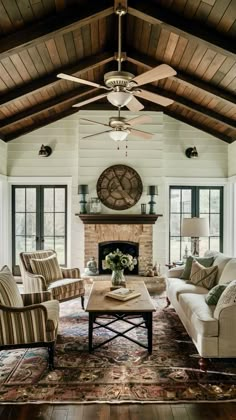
{"type": "Point", "coordinates": [61, 23]}
{"type": "Point", "coordinates": [84, 65]}
{"type": "Point", "coordinates": [192, 106]}
{"type": "Point", "coordinates": [145, 61]}
{"type": "Point", "coordinates": [156, 14]}
{"type": "Point", "coordinates": [75, 95]}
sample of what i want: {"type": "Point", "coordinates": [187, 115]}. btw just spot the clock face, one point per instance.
{"type": "Point", "coordinates": [119, 187]}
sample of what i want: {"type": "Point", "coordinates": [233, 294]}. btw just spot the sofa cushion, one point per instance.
{"type": "Point", "coordinates": [201, 276]}
{"type": "Point", "coordinates": [229, 272]}
{"type": "Point", "coordinates": [178, 286]}
{"type": "Point", "coordinates": [205, 261]}
{"type": "Point", "coordinates": [9, 292]}
{"type": "Point", "coordinates": [228, 298]}
{"type": "Point", "coordinates": [47, 267]}
{"type": "Point", "coordinates": [199, 314]}
{"type": "Point", "coordinates": [214, 294]}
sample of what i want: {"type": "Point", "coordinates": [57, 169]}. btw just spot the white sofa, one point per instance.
{"type": "Point", "coordinates": [213, 335]}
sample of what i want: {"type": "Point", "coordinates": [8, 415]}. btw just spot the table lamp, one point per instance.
{"type": "Point", "coordinates": [195, 228]}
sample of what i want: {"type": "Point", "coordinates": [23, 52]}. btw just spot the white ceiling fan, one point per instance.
{"type": "Point", "coordinates": [120, 128]}
{"type": "Point", "coordinates": [122, 86]}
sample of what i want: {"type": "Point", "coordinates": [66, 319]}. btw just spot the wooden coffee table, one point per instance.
{"type": "Point", "coordinates": [139, 307]}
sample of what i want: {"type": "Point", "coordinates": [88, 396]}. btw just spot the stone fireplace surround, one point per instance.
{"type": "Point", "coordinates": [111, 228]}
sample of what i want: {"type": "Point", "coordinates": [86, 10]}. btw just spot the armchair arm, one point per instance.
{"type": "Point", "coordinates": [175, 271]}
{"type": "Point", "coordinates": [21, 325]}
{"type": "Point", "coordinates": [34, 282]}
{"type": "Point", "coordinates": [38, 297]}
{"type": "Point", "coordinates": [70, 273]}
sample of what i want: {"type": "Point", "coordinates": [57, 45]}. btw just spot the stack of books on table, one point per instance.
{"type": "Point", "coordinates": [123, 294]}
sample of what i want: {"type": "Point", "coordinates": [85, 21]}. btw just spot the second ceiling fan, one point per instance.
{"type": "Point", "coordinates": [123, 87]}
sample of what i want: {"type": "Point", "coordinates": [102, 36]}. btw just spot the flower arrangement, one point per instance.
{"type": "Point", "coordinates": [116, 260]}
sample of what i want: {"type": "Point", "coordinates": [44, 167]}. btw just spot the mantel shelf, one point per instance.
{"type": "Point", "coordinates": [119, 219]}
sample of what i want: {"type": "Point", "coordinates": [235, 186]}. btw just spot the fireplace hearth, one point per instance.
{"type": "Point", "coordinates": [126, 247]}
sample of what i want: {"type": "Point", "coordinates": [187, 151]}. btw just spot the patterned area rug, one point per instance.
{"type": "Point", "coordinates": [119, 371]}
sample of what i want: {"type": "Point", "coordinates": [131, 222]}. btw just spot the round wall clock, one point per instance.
{"type": "Point", "coordinates": [119, 187]}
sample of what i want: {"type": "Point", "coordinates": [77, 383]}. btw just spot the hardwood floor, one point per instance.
{"type": "Point", "coordinates": [203, 411]}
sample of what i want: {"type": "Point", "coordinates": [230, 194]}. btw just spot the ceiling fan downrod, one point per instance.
{"type": "Point", "coordinates": [120, 11]}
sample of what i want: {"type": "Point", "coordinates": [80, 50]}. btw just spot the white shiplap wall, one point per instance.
{"type": "Point", "coordinates": [232, 159]}
{"type": "Point", "coordinates": [3, 157]}
{"type": "Point", "coordinates": [84, 160]}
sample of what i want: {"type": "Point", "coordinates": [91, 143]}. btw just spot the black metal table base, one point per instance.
{"type": "Point", "coordinates": [145, 322]}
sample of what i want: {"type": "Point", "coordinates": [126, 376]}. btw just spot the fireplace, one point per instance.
{"type": "Point", "coordinates": [126, 247]}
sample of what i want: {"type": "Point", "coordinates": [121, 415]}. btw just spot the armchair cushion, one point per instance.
{"type": "Point", "coordinates": [47, 267]}
{"type": "Point", "coordinates": [9, 292]}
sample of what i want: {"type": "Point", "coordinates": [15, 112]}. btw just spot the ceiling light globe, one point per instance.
{"type": "Point", "coordinates": [119, 99]}
{"type": "Point", "coordinates": [118, 135]}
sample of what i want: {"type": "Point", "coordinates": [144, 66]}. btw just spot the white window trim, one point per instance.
{"type": "Point", "coordinates": [37, 180]}
{"type": "Point", "coordinates": [5, 244]}
{"type": "Point", "coordinates": [229, 244]}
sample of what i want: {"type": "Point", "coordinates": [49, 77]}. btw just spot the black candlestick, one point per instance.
{"type": "Point", "coordinates": [83, 190]}
{"type": "Point", "coordinates": [152, 190]}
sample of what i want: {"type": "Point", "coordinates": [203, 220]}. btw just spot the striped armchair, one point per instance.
{"type": "Point", "coordinates": [29, 320]}
{"type": "Point", "coordinates": [40, 271]}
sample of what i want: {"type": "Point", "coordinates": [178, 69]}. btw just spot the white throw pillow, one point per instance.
{"type": "Point", "coordinates": [228, 298]}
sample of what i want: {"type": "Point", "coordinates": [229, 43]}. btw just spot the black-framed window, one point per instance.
{"type": "Point", "coordinates": [185, 201]}
{"type": "Point", "coordinates": [39, 220]}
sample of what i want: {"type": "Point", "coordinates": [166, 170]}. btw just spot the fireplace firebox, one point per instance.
{"type": "Point", "coordinates": [105, 248]}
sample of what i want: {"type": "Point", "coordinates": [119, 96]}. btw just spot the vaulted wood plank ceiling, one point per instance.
{"type": "Point", "coordinates": [41, 38]}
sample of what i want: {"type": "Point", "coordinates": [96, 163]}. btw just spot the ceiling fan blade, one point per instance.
{"type": "Point", "coordinates": [78, 80]}
{"type": "Point", "coordinates": [97, 134]}
{"type": "Point", "coordinates": [157, 73]}
{"type": "Point", "coordinates": [153, 97]}
{"type": "Point", "coordinates": [134, 105]}
{"type": "Point", "coordinates": [87, 101]}
{"type": "Point", "coordinates": [139, 120]}
{"type": "Point", "coordinates": [94, 122]}
{"type": "Point", "coordinates": [140, 133]}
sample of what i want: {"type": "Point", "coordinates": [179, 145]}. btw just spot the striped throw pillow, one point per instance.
{"type": "Point", "coordinates": [47, 267]}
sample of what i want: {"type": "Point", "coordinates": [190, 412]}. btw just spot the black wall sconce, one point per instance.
{"type": "Point", "coordinates": [83, 190]}
{"type": "Point", "coordinates": [152, 191]}
{"type": "Point", "coordinates": [191, 152]}
{"type": "Point", "coordinates": [45, 151]}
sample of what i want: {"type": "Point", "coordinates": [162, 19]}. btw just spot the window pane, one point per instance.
{"type": "Point", "coordinates": [175, 201]}
{"type": "Point", "coordinates": [59, 248]}
{"type": "Point", "coordinates": [215, 225]}
{"type": "Point", "coordinates": [48, 224]}
{"type": "Point", "coordinates": [175, 249]}
{"type": "Point", "coordinates": [48, 243]}
{"type": "Point", "coordinates": [20, 223]}
{"type": "Point", "coordinates": [19, 199]}
{"type": "Point", "coordinates": [31, 199]}
{"type": "Point", "coordinates": [30, 243]}
{"type": "Point", "coordinates": [186, 201]}
{"type": "Point", "coordinates": [204, 201]}
{"type": "Point", "coordinates": [215, 244]}
{"type": "Point", "coordinates": [20, 246]}
{"type": "Point", "coordinates": [203, 246]}
{"type": "Point", "coordinates": [175, 225]}
{"type": "Point", "coordinates": [31, 224]}
{"type": "Point", "coordinates": [48, 199]}
{"type": "Point", "coordinates": [215, 201]}
{"type": "Point", "coordinates": [59, 224]}
{"type": "Point", "coordinates": [60, 199]}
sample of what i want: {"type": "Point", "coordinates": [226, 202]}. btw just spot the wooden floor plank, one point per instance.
{"type": "Point", "coordinates": [199, 411]}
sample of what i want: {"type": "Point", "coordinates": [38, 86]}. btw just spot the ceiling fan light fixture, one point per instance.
{"type": "Point", "coordinates": [118, 135]}
{"type": "Point", "coordinates": [119, 98]}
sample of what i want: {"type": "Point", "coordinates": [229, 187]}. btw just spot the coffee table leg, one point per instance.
{"type": "Point", "coordinates": [149, 331]}
{"type": "Point", "coordinates": [91, 318]}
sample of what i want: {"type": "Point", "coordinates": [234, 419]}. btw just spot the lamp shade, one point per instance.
{"type": "Point", "coordinates": [195, 227]}
{"type": "Point", "coordinates": [83, 189]}
{"type": "Point", "coordinates": [152, 190]}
